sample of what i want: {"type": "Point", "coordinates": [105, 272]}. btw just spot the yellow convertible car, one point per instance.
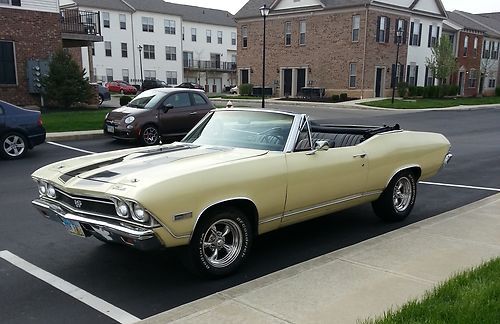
{"type": "Point", "coordinates": [238, 173]}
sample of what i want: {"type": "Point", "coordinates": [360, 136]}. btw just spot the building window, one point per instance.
{"type": "Point", "coordinates": [171, 77]}
{"type": "Point", "coordinates": [209, 36]}
{"type": "Point", "coordinates": [288, 33]}
{"type": "Point", "coordinates": [123, 21]}
{"type": "Point", "coordinates": [433, 36]}
{"type": "Point", "coordinates": [383, 25]}
{"type": "Point", "coordinates": [475, 46]}
{"type": "Point", "coordinates": [402, 25]}
{"type": "Point", "coordinates": [107, 48]}
{"type": "Point", "coordinates": [244, 36]}
{"type": "Point", "coordinates": [486, 49]}
{"type": "Point", "coordinates": [187, 58]}
{"type": "Point", "coordinates": [169, 26]}
{"type": "Point", "coordinates": [233, 38]}
{"type": "Point", "coordinates": [494, 53]}
{"type": "Point", "coordinates": [219, 37]}
{"type": "Point", "coordinates": [302, 32]}
{"type": "Point", "coordinates": [171, 53]}
{"type": "Point", "coordinates": [429, 77]}
{"type": "Point", "coordinates": [7, 63]}
{"type": "Point", "coordinates": [149, 52]}
{"type": "Point", "coordinates": [352, 75]}
{"type": "Point", "coordinates": [466, 45]}
{"type": "Point", "coordinates": [11, 2]}
{"type": "Point", "coordinates": [149, 74]}
{"type": "Point", "coordinates": [472, 78]}
{"type": "Point", "coordinates": [124, 50]}
{"type": "Point", "coordinates": [125, 76]}
{"type": "Point", "coordinates": [415, 33]}
{"type": "Point", "coordinates": [412, 74]}
{"type": "Point", "coordinates": [492, 83]}
{"type": "Point", "coordinates": [148, 24]}
{"type": "Point", "coordinates": [193, 34]}
{"type": "Point", "coordinates": [105, 19]}
{"type": "Point", "coordinates": [109, 75]}
{"type": "Point", "coordinates": [355, 28]}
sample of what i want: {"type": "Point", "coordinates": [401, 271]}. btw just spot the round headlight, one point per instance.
{"type": "Point", "coordinates": [140, 214]}
{"type": "Point", "coordinates": [42, 188]}
{"type": "Point", "coordinates": [129, 120]}
{"type": "Point", "coordinates": [121, 209]}
{"type": "Point", "coordinates": [51, 191]}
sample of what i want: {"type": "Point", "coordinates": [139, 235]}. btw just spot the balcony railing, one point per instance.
{"type": "Point", "coordinates": [75, 21]}
{"type": "Point", "coordinates": [209, 65]}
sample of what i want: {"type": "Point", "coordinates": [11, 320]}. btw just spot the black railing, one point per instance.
{"type": "Point", "coordinates": [209, 65]}
{"type": "Point", "coordinates": [77, 21]}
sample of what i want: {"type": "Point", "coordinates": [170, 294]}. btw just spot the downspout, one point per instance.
{"type": "Point", "coordinates": [364, 53]}
{"type": "Point", "coordinates": [133, 38]}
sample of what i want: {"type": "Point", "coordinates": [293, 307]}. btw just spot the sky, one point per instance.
{"type": "Point", "coordinates": [477, 6]}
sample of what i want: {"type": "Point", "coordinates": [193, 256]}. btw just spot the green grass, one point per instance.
{"type": "Point", "coordinates": [432, 103]}
{"type": "Point", "coordinates": [470, 297]}
{"type": "Point", "coordinates": [74, 119]}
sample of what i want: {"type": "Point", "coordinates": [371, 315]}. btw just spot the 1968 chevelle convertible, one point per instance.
{"type": "Point", "coordinates": [237, 174]}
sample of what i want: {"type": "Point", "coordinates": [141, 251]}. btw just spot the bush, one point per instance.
{"type": "Point", "coordinates": [420, 91]}
{"type": "Point", "coordinates": [403, 89]}
{"type": "Point", "coordinates": [246, 89]}
{"type": "Point", "coordinates": [453, 90]}
{"type": "Point", "coordinates": [412, 91]}
{"type": "Point", "coordinates": [124, 100]}
{"type": "Point", "coordinates": [343, 97]}
{"type": "Point", "coordinates": [497, 91]}
{"type": "Point", "coordinates": [336, 98]}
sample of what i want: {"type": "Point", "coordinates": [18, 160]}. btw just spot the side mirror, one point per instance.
{"type": "Point", "coordinates": [319, 146]}
{"type": "Point", "coordinates": [167, 107]}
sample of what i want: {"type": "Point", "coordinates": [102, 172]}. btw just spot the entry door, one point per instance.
{"type": "Point", "coordinates": [287, 82]}
{"type": "Point", "coordinates": [244, 76]}
{"type": "Point", "coordinates": [461, 81]}
{"type": "Point", "coordinates": [378, 82]}
{"type": "Point", "coordinates": [215, 61]}
{"type": "Point", "coordinates": [301, 79]}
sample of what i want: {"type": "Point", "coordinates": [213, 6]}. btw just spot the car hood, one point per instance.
{"type": "Point", "coordinates": [142, 166]}
{"type": "Point", "coordinates": [119, 113]}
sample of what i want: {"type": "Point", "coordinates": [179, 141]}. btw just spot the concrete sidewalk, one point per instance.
{"type": "Point", "coordinates": [359, 281]}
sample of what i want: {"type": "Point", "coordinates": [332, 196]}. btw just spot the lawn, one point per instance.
{"type": "Point", "coordinates": [432, 103]}
{"type": "Point", "coordinates": [470, 297]}
{"type": "Point", "coordinates": [74, 120]}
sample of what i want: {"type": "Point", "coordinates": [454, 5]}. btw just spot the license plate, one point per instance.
{"type": "Point", "coordinates": [73, 227]}
{"type": "Point", "coordinates": [110, 129]}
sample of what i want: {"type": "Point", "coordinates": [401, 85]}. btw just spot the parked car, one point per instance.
{"type": "Point", "coordinates": [237, 174]}
{"type": "Point", "coordinates": [102, 93]}
{"type": "Point", "coordinates": [234, 90]}
{"type": "Point", "coordinates": [156, 113]}
{"type": "Point", "coordinates": [20, 130]}
{"type": "Point", "coordinates": [121, 87]}
{"type": "Point", "coordinates": [190, 85]}
{"type": "Point", "coordinates": [153, 84]}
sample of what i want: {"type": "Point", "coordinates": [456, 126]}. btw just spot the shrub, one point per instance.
{"type": "Point", "coordinates": [403, 89]}
{"type": "Point", "coordinates": [497, 91]}
{"type": "Point", "coordinates": [246, 89]}
{"type": "Point", "coordinates": [336, 98]}
{"type": "Point", "coordinates": [412, 91]}
{"type": "Point", "coordinates": [420, 91]}
{"type": "Point", "coordinates": [125, 100]}
{"type": "Point", "coordinates": [453, 90]}
{"type": "Point", "coordinates": [343, 97]}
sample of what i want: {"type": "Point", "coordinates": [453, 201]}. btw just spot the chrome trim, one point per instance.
{"type": "Point", "coordinates": [271, 219]}
{"type": "Point", "coordinates": [294, 133]}
{"type": "Point", "coordinates": [83, 198]}
{"type": "Point", "coordinates": [182, 236]}
{"type": "Point", "coordinates": [182, 216]}
{"type": "Point", "coordinates": [331, 203]}
{"type": "Point", "coordinates": [447, 158]}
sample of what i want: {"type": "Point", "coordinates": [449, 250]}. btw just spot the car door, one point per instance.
{"type": "Point", "coordinates": [178, 115]}
{"type": "Point", "coordinates": [321, 182]}
{"type": "Point", "coordinates": [2, 120]}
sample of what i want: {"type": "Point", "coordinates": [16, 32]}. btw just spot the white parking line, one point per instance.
{"type": "Point", "coordinates": [459, 186]}
{"type": "Point", "coordinates": [95, 302]}
{"type": "Point", "coordinates": [71, 148]}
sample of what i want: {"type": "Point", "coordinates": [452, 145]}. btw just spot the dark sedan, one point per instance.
{"type": "Point", "coordinates": [190, 85]}
{"type": "Point", "coordinates": [20, 130]}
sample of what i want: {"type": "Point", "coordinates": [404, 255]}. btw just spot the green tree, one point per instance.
{"type": "Point", "coordinates": [442, 62]}
{"type": "Point", "coordinates": [66, 83]}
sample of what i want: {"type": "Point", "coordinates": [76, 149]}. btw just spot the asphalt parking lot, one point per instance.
{"type": "Point", "coordinates": [135, 285]}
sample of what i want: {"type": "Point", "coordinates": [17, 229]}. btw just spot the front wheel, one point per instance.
{"type": "Point", "coordinates": [221, 242]}
{"type": "Point", "coordinates": [150, 135]}
{"type": "Point", "coordinates": [14, 146]}
{"type": "Point", "coordinates": [398, 199]}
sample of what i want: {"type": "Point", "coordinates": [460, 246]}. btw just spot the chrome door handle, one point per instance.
{"type": "Point", "coordinates": [193, 113]}
{"type": "Point", "coordinates": [361, 155]}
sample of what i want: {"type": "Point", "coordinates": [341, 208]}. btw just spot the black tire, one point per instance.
{"type": "Point", "coordinates": [100, 100]}
{"type": "Point", "coordinates": [150, 135]}
{"type": "Point", "coordinates": [13, 146]}
{"type": "Point", "coordinates": [398, 199]}
{"type": "Point", "coordinates": [220, 243]}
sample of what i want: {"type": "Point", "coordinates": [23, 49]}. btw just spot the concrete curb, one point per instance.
{"type": "Point", "coordinates": [75, 136]}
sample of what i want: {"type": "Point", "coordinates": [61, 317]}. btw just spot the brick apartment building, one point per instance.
{"type": "Point", "coordinates": [30, 32]}
{"type": "Point", "coordinates": [342, 46]}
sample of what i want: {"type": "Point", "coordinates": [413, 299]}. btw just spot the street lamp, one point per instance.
{"type": "Point", "coordinates": [399, 35]}
{"type": "Point", "coordinates": [264, 12]}
{"type": "Point", "coordinates": [140, 59]}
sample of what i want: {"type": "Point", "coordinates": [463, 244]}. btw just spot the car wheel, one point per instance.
{"type": "Point", "coordinates": [398, 199]}
{"type": "Point", "coordinates": [100, 99]}
{"type": "Point", "coordinates": [150, 135]}
{"type": "Point", "coordinates": [220, 243]}
{"type": "Point", "coordinates": [14, 146]}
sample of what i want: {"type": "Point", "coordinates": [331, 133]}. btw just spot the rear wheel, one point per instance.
{"type": "Point", "coordinates": [14, 146]}
{"type": "Point", "coordinates": [150, 135]}
{"type": "Point", "coordinates": [398, 199]}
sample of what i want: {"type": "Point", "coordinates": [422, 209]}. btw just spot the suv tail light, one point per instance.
{"type": "Point", "coordinates": [39, 122]}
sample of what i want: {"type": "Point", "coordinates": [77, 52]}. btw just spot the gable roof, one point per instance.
{"type": "Point", "coordinates": [489, 25]}
{"type": "Point", "coordinates": [464, 22]}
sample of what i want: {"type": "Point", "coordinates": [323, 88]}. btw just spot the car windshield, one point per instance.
{"type": "Point", "coordinates": [243, 129]}
{"type": "Point", "coordinates": [147, 100]}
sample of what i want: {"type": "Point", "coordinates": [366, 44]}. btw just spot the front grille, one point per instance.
{"type": "Point", "coordinates": [86, 204]}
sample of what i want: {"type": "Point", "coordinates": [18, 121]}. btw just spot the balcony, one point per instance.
{"type": "Point", "coordinates": [198, 65]}
{"type": "Point", "coordinates": [79, 27]}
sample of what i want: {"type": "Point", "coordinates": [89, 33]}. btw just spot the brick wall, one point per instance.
{"type": "Point", "coordinates": [471, 61]}
{"type": "Point", "coordinates": [327, 53]}
{"type": "Point", "coordinates": [35, 35]}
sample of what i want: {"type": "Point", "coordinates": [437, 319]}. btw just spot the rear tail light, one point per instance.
{"type": "Point", "coordinates": [40, 122]}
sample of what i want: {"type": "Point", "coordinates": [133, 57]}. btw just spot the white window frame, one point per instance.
{"type": "Point", "coordinates": [302, 32]}
{"type": "Point", "coordinates": [125, 75]}
{"type": "Point", "coordinates": [124, 51]}
{"type": "Point", "coordinates": [171, 53]}
{"type": "Point", "coordinates": [148, 24]}
{"type": "Point", "coordinates": [171, 77]}
{"type": "Point", "coordinates": [149, 75]}
{"type": "Point", "coordinates": [356, 23]}
{"type": "Point", "coordinates": [109, 76]}
{"type": "Point", "coordinates": [108, 48]}
{"type": "Point", "coordinates": [220, 36]}
{"type": "Point", "coordinates": [352, 75]}
{"type": "Point", "coordinates": [244, 36]}
{"type": "Point", "coordinates": [288, 33]}
{"type": "Point", "coordinates": [123, 21]}
{"type": "Point", "coordinates": [193, 34]}
{"type": "Point", "coordinates": [106, 18]}
{"type": "Point", "coordinates": [209, 36]}
{"type": "Point", "coordinates": [150, 50]}
{"type": "Point", "coordinates": [233, 38]}
{"type": "Point", "coordinates": [169, 26]}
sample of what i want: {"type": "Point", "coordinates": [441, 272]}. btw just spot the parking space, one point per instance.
{"type": "Point", "coordinates": [143, 284]}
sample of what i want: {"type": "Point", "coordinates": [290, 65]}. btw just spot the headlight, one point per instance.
{"type": "Point", "coordinates": [42, 188]}
{"type": "Point", "coordinates": [121, 209]}
{"type": "Point", "coordinates": [129, 120]}
{"type": "Point", "coordinates": [51, 191]}
{"type": "Point", "coordinates": [140, 214]}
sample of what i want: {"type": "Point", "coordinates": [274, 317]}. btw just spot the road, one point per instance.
{"type": "Point", "coordinates": [144, 284]}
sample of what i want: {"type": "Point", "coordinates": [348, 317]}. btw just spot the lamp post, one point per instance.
{"type": "Point", "coordinates": [264, 12]}
{"type": "Point", "coordinates": [399, 35]}
{"type": "Point", "coordinates": [140, 60]}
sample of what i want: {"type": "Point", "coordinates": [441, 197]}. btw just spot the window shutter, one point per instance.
{"type": "Point", "coordinates": [430, 36]}
{"type": "Point", "coordinates": [401, 73]}
{"type": "Point", "coordinates": [416, 75]}
{"type": "Point", "coordinates": [393, 76]}
{"type": "Point", "coordinates": [396, 31]}
{"type": "Point", "coordinates": [405, 31]}
{"type": "Point", "coordinates": [377, 31]}
{"type": "Point", "coordinates": [437, 35]}
{"type": "Point", "coordinates": [412, 29]}
{"type": "Point", "coordinates": [426, 76]}
{"type": "Point", "coordinates": [491, 50]}
{"type": "Point", "coordinates": [16, 3]}
{"type": "Point", "coordinates": [408, 75]}
{"type": "Point", "coordinates": [420, 35]}
{"type": "Point", "coordinates": [387, 30]}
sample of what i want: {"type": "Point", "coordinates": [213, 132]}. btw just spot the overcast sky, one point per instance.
{"type": "Point", "coordinates": [477, 6]}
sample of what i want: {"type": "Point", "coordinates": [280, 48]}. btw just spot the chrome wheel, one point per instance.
{"type": "Point", "coordinates": [14, 145]}
{"type": "Point", "coordinates": [402, 194]}
{"type": "Point", "coordinates": [150, 135]}
{"type": "Point", "coordinates": [222, 243]}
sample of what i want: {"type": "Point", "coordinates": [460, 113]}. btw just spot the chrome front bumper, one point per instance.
{"type": "Point", "coordinates": [139, 238]}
